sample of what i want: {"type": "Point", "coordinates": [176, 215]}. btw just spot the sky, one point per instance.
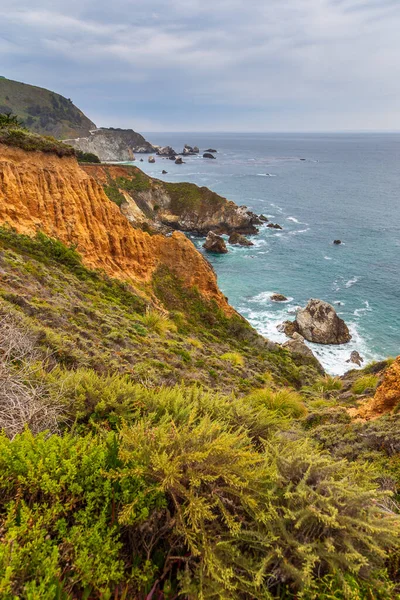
{"type": "Point", "coordinates": [212, 65]}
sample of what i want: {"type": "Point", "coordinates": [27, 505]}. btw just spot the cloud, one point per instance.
{"type": "Point", "coordinates": [201, 64]}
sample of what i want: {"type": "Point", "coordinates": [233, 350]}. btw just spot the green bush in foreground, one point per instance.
{"type": "Point", "coordinates": [193, 494]}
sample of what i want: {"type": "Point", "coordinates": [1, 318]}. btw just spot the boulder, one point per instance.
{"type": "Point", "coordinates": [151, 159]}
{"type": "Point", "coordinates": [208, 155]}
{"type": "Point", "coordinates": [337, 242]}
{"type": "Point", "coordinates": [289, 328]}
{"type": "Point", "coordinates": [189, 151]}
{"type": "Point", "coordinates": [211, 150]}
{"type": "Point", "coordinates": [319, 323]}
{"type": "Point", "coordinates": [166, 151]}
{"type": "Point", "coordinates": [274, 226]}
{"type": "Point", "coordinates": [215, 243]}
{"type": "Point", "coordinates": [179, 161]}
{"type": "Point", "coordinates": [278, 298]}
{"type": "Point", "coordinates": [355, 358]}
{"type": "Point", "coordinates": [164, 172]}
{"type": "Point", "coordinates": [297, 345]}
{"type": "Point", "coordinates": [239, 239]}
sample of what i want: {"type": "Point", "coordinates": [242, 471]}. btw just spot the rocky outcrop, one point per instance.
{"type": "Point", "coordinates": [278, 298]}
{"type": "Point", "coordinates": [355, 358]}
{"type": "Point", "coordinates": [183, 206]}
{"type": "Point", "coordinates": [211, 150]}
{"type": "Point", "coordinates": [274, 226]}
{"type": "Point", "coordinates": [55, 195]}
{"type": "Point", "coordinates": [386, 398]}
{"type": "Point", "coordinates": [112, 144]}
{"type": "Point", "coordinates": [319, 323]}
{"type": "Point", "coordinates": [166, 151]}
{"type": "Point", "coordinates": [238, 239]}
{"type": "Point", "coordinates": [151, 159]}
{"type": "Point", "coordinates": [189, 150]}
{"type": "Point", "coordinates": [297, 346]}
{"type": "Point", "coordinates": [215, 243]}
{"type": "Point", "coordinates": [179, 161]}
{"type": "Point", "coordinates": [208, 155]}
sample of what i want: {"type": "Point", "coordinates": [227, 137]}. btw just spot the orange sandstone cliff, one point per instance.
{"type": "Point", "coordinates": [54, 195]}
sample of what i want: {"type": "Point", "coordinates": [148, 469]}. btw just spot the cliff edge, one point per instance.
{"type": "Point", "coordinates": [54, 195]}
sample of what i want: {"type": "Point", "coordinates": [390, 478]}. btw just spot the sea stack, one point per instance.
{"type": "Point", "coordinates": [319, 323]}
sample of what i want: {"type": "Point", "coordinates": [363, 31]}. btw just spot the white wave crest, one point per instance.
{"type": "Point", "coordinates": [352, 281]}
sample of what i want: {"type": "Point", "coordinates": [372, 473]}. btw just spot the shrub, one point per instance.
{"type": "Point", "coordinates": [234, 358]}
{"type": "Point", "coordinates": [364, 383]}
{"type": "Point", "coordinates": [326, 384]}
{"type": "Point", "coordinates": [87, 157]}
{"type": "Point", "coordinates": [157, 322]}
{"type": "Point", "coordinates": [283, 401]}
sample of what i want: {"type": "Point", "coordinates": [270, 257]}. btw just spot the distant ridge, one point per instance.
{"type": "Point", "coordinates": [43, 111]}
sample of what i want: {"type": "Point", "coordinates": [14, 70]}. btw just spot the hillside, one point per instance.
{"type": "Point", "coordinates": [183, 206]}
{"type": "Point", "coordinates": [152, 444]}
{"type": "Point", "coordinates": [43, 111]}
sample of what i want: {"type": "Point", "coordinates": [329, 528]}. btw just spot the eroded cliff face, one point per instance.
{"type": "Point", "coordinates": [112, 144]}
{"type": "Point", "coordinates": [387, 395]}
{"type": "Point", "coordinates": [54, 195]}
{"type": "Point", "coordinates": [182, 206]}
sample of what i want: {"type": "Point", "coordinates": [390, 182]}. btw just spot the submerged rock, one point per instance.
{"type": "Point", "coordinates": [239, 239]}
{"type": "Point", "coordinates": [208, 155]}
{"type": "Point", "coordinates": [278, 298]}
{"type": "Point", "coordinates": [337, 242]}
{"type": "Point", "coordinates": [215, 243]}
{"type": "Point", "coordinates": [355, 358]}
{"type": "Point", "coordinates": [319, 323]}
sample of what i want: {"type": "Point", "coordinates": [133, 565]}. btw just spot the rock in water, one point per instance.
{"type": "Point", "coordinates": [263, 218]}
{"type": "Point", "coordinates": [319, 323]}
{"type": "Point", "coordinates": [151, 159]}
{"type": "Point", "coordinates": [164, 172]}
{"type": "Point", "coordinates": [355, 358]}
{"type": "Point", "coordinates": [208, 155]}
{"type": "Point", "coordinates": [211, 150]}
{"type": "Point", "coordinates": [215, 243]}
{"type": "Point", "coordinates": [278, 298]}
{"type": "Point", "coordinates": [179, 161]}
{"type": "Point", "coordinates": [239, 239]}
{"type": "Point", "coordinates": [337, 242]}
{"type": "Point", "coordinates": [188, 150]}
{"type": "Point", "coordinates": [274, 226]}
{"type": "Point", "coordinates": [166, 151]}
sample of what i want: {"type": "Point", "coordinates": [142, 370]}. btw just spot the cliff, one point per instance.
{"type": "Point", "coordinates": [53, 194]}
{"type": "Point", "coordinates": [182, 206]}
{"type": "Point", "coordinates": [43, 111]}
{"type": "Point", "coordinates": [112, 144]}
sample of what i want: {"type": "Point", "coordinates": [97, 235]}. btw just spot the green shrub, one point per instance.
{"type": "Point", "coordinates": [283, 401]}
{"type": "Point", "coordinates": [234, 358]}
{"type": "Point", "coordinates": [326, 384]}
{"type": "Point", "coordinates": [87, 157]}
{"type": "Point", "coordinates": [157, 322]}
{"type": "Point", "coordinates": [365, 382]}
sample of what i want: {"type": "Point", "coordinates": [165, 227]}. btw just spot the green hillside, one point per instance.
{"type": "Point", "coordinates": [43, 111]}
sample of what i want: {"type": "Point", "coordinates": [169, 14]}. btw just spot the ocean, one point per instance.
{"type": "Point", "coordinates": [318, 187]}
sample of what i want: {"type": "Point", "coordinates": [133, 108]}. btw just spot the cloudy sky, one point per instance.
{"type": "Point", "coordinates": [225, 65]}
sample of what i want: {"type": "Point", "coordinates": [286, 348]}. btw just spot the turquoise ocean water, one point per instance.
{"type": "Point", "coordinates": [348, 187]}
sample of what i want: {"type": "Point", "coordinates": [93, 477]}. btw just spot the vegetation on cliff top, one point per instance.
{"type": "Point", "coordinates": [149, 449]}
{"type": "Point", "coordinates": [43, 111]}
{"type": "Point", "coordinates": [13, 133]}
